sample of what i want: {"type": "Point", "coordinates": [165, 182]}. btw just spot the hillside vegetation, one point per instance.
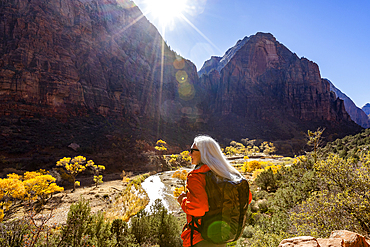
{"type": "Point", "coordinates": [349, 146]}
{"type": "Point", "coordinates": [324, 190]}
{"type": "Point", "coordinates": [314, 194]}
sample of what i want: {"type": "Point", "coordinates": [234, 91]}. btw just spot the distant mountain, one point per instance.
{"type": "Point", "coordinates": [218, 63]}
{"type": "Point", "coordinates": [266, 91]}
{"type": "Point", "coordinates": [357, 114]}
{"type": "Point", "coordinates": [366, 109]}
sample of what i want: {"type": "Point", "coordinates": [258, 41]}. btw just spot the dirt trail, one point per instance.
{"type": "Point", "coordinates": [98, 197]}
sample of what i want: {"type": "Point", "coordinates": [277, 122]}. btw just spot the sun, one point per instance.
{"type": "Point", "coordinates": [166, 10]}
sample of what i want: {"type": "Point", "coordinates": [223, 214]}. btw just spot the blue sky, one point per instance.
{"type": "Point", "coordinates": [333, 34]}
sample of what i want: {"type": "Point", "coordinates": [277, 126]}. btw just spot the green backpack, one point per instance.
{"type": "Point", "coordinates": [227, 216]}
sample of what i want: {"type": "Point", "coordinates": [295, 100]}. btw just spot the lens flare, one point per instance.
{"type": "Point", "coordinates": [218, 231]}
{"type": "Point", "coordinates": [179, 63]}
{"type": "Point", "coordinates": [186, 91]}
{"type": "Point", "coordinates": [181, 76]}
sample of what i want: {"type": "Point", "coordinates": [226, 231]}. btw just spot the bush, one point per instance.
{"type": "Point", "coordinates": [343, 199]}
{"type": "Point", "coordinates": [17, 228]}
{"type": "Point", "coordinates": [251, 166]}
{"type": "Point", "coordinates": [267, 180]}
{"type": "Point", "coordinates": [85, 229]}
{"type": "Point", "coordinates": [121, 233]}
{"type": "Point", "coordinates": [248, 232]}
{"type": "Point", "coordinates": [78, 225]}
{"type": "Point", "coordinates": [158, 227]}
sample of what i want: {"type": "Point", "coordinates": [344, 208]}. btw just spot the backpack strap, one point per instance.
{"type": "Point", "coordinates": [194, 226]}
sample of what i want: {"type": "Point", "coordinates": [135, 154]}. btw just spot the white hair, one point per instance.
{"type": "Point", "coordinates": [212, 156]}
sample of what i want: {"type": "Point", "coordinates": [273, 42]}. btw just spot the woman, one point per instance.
{"type": "Point", "coordinates": [206, 154]}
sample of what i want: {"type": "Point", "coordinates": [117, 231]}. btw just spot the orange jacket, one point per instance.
{"type": "Point", "coordinates": [196, 202]}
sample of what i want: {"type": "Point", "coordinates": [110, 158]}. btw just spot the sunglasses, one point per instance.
{"type": "Point", "coordinates": [193, 149]}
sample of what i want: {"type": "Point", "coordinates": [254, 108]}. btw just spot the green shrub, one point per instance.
{"type": "Point", "coordinates": [267, 239]}
{"type": "Point", "coordinates": [77, 230]}
{"type": "Point", "coordinates": [83, 228]}
{"type": "Point", "coordinates": [141, 228]}
{"type": "Point", "coordinates": [343, 199]}
{"type": "Point", "coordinates": [248, 232]}
{"type": "Point", "coordinates": [158, 227]}
{"type": "Point", "coordinates": [122, 234]}
{"type": "Point", "coordinates": [263, 206]}
{"type": "Point", "coordinates": [267, 180]}
{"type": "Point", "coordinates": [12, 233]}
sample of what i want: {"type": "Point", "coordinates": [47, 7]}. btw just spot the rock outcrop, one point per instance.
{"type": "Point", "coordinates": [218, 63]}
{"type": "Point", "coordinates": [62, 58]}
{"type": "Point", "coordinates": [341, 238]}
{"type": "Point", "coordinates": [80, 71]}
{"type": "Point", "coordinates": [357, 114]}
{"type": "Point", "coordinates": [266, 91]}
{"type": "Point", "coordinates": [366, 109]}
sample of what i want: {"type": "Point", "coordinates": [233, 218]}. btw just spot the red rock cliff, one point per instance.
{"type": "Point", "coordinates": [66, 57]}
{"type": "Point", "coordinates": [267, 89]}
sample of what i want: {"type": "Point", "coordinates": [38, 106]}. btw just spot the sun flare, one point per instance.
{"type": "Point", "coordinates": [166, 10]}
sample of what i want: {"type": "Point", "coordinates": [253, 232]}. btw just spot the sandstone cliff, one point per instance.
{"type": "Point", "coordinates": [219, 63]}
{"type": "Point", "coordinates": [92, 72]}
{"type": "Point", "coordinates": [61, 58]}
{"type": "Point", "coordinates": [267, 91]}
{"type": "Point", "coordinates": [357, 114]}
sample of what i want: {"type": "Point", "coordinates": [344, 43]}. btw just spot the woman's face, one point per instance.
{"type": "Point", "coordinates": [195, 155]}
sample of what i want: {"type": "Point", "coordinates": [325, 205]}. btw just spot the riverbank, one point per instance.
{"type": "Point", "coordinates": [102, 198]}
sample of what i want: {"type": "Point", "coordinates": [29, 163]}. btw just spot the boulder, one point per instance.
{"type": "Point", "coordinates": [350, 239]}
{"type": "Point", "coordinates": [304, 241]}
{"type": "Point", "coordinates": [330, 242]}
{"type": "Point", "coordinates": [340, 238]}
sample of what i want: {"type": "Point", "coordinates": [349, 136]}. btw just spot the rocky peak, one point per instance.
{"type": "Point", "coordinates": [366, 109]}
{"type": "Point", "coordinates": [210, 65]}
{"type": "Point", "coordinates": [357, 114]}
{"type": "Point", "coordinates": [218, 63]}
{"type": "Point", "coordinates": [267, 89]}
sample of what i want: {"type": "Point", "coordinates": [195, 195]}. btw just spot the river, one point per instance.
{"type": "Point", "coordinates": [161, 186]}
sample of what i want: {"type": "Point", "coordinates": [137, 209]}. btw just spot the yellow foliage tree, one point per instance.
{"type": "Point", "coordinates": [73, 167]}
{"type": "Point", "coordinates": [256, 173]}
{"type": "Point", "coordinates": [98, 179]}
{"type": "Point", "coordinates": [39, 186]}
{"type": "Point", "coordinates": [185, 156]}
{"type": "Point", "coordinates": [182, 175]}
{"type": "Point", "coordinates": [160, 145]}
{"type": "Point", "coordinates": [10, 188]}
{"type": "Point", "coordinates": [178, 191]}
{"type": "Point", "coordinates": [251, 166]}
{"type": "Point", "coordinates": [173, 159]}
{"type": "Point", "coordinates": [31, 186]}
{"type": "Point", "coordinates": [274, 168]}
{"type": "Point", "coordinates": [267, 148]}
